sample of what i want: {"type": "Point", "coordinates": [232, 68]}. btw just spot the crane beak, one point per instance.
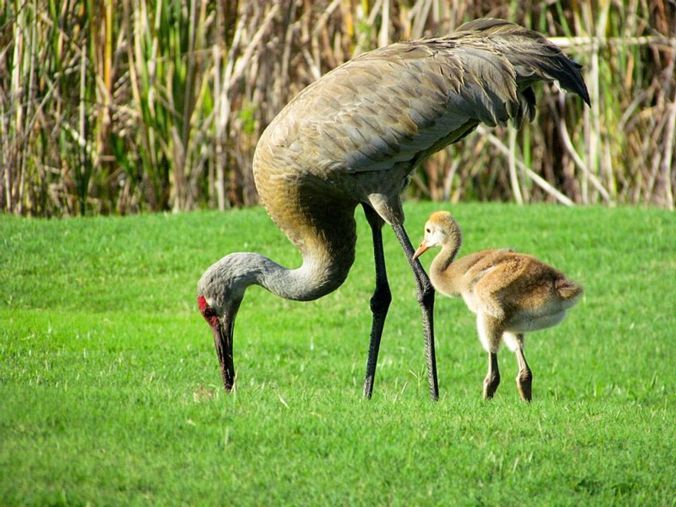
{"type": "Point", "coordinates": [223, 343]}
{"type": "Point", "coordinates": [222, 330]}
{"type": "Point", "coordinates": [421, 250]}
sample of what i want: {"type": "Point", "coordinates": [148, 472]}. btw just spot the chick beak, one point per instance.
{"type": "Point", "coordinates": [421, 250]}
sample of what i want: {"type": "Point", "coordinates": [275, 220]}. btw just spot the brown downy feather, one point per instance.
{"type": "Point", "coordinates": [567, 289]}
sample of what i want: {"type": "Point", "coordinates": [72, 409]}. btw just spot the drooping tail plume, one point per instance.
{"type": "Point", "coordinates": [532, 55]}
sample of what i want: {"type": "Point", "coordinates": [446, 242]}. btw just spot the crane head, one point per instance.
{"type": "Point", "coordinates": [440, 229]}
{"type": "Point", "coordinates": [220, 290]}
{"type": "Point", "coordinates": [209, 314]}
{"type": "Point", "coordinates": [222, 322]}
{"type": "Point", "coordinates": [219, 294]}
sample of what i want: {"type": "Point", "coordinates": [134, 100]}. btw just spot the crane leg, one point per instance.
{"type": "Point", "coordinates": [492, 380]}
{"type": "Point", "coordinates": [489, 330]}
{"type": "Point", "coordinates": [380, 301]}
{"type": "Point", "coordinates": [426, 301]}
{"type": "Point", "coordinates": [524, 379]}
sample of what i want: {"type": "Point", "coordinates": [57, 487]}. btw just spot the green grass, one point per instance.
{"type": "Point", "coordinates": [110, 391]}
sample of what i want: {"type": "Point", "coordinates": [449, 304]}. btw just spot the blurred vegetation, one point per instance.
{"type": "Point", "coordinates": [121, 106]}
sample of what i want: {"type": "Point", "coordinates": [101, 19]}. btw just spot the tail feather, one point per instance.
{"type": "Point", "coordinates": [532, 55]}
{"type": "Point", "coordinates": [568, 289]}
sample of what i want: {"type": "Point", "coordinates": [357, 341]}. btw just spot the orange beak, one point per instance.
{"type": "Point", "coordinates": [421, 250]}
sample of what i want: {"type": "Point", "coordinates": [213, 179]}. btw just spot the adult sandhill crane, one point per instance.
{"type": "Point", "coordinates": [510, 293]}
{"type": "Point", "coordinates": [353, 137]}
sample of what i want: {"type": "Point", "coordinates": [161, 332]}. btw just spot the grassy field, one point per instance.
{"type": "Point", "coordinates": [110, 391]}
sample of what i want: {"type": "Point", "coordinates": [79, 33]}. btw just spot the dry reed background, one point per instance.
{"type": "Point", "coordinates": [119, 106]}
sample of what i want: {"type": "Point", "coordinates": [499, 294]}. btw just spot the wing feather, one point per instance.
{"type": "Point", "coordinates": [402, 102]}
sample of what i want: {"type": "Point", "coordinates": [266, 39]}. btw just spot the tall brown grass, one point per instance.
{"type": "Point", "coordinates": [120, 106]}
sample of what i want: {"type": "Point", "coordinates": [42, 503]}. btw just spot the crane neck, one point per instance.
{"type": "Point", "coordinates": [445, 257]}
{"type": "Point", "coordinates": [312, 280]}
{"type": "Point", "coordinates": [440, 265]}
{"type": "Point", "coordinates": [320, 273]}
{"type": "Point", "coordinates": [327, 246]}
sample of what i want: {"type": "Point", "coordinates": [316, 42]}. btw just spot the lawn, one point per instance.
{"type": "Point", "coordinates": [110, 391]}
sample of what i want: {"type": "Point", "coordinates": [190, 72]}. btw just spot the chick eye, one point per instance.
{"type": "Point", "coordinates": [428, 230]}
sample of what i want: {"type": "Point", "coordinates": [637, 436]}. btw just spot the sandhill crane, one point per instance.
{"type": "Point", "coordinates": [353, 137]}
{"type": "Point", "coordinates": [510, 293]}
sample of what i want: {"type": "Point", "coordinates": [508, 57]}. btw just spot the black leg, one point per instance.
{"type": "Point", "coordinates": [380, 301]}
{"type": "Point", "coordinates": [426, 301]}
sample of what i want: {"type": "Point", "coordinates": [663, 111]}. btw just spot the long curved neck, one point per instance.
{"type": "Point", "coordinates": [316, 277]}
{"type": "Point", "coordinates": [445, 257]}
{"type": "Point", "coordinates": [321, 272]}
{"type": "Point", "coordinates": [327, 245]}
{"type": "Point", "coordinates": [326, 241]}
{"type": "Point", "coordinates": [439, 272]}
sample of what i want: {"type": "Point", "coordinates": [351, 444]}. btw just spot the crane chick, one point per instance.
{"type": "Point", "coordinates": [510, 293]}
